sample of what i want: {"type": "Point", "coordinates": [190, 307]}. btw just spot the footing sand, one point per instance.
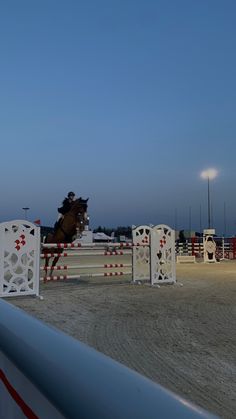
{"type": "Point", "coordinates": [183, 337]}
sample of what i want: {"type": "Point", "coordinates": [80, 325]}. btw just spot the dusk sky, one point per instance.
{"type": "Point", "coordinates": [122, 101]}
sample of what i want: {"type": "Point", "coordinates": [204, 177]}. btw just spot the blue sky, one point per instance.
{"type": "Point", "coordinates": [124, 102]}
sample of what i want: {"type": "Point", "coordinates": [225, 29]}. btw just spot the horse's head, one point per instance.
{"type": "Point", "coordinates": [80, 205]}
{"type": "Point", "coordinates": [79, 208]}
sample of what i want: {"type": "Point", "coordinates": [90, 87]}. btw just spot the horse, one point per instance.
{"type": "Point", "coordinates": [72, 223]}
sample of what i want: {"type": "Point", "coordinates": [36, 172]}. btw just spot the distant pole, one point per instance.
{"type": "Point", "coordinates": [190, 220]}
{"type": "Point", "coordinates": [200, 219]}
{"type": "Point", "coordinates": [176, 219]}
{"type": "Point", "coordinates": [224, 220]}
{"type": "Point", "coordinates": [212, 215]}
{"type": "Point", "coordinates": [209, 202]}
{"type": "Point", "coordinates": [209, 174]}
{"type": "Point", "coordinates": [25, 209]}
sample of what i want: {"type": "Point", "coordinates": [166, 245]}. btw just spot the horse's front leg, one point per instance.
{"type": "Point", "coordinates": [54, 262]}
{"type": "Point", "coordinates": [46, 265]}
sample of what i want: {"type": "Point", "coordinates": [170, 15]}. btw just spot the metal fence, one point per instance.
{"type": "Point", "coordinates": [225, 247]}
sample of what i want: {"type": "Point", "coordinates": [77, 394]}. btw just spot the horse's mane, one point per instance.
{"type": "Point", "coordinates": [82, 201]}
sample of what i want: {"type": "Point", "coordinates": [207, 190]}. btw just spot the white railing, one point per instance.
{"type": "Point", "coordinates": [48, 374]}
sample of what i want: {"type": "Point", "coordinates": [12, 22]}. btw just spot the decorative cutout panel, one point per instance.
{"type": "Point", "coordinates": [141, 253]}
{"type": "Point", "coordinates": [162, 255]}
{"type": "Point", "coordinates": [209, 246]}
{"type": "Point", "coordinates": [19, 258]}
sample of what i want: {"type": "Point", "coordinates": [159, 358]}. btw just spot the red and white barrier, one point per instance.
{"type": "Point", "coordinates": [93, 249]}
{"type": "Point", "coordinates": [63, 277]}
{"type": "Point", "coordinates": [92, 252]}
{"type": "Point", "coordinates": [99, 253]}
{"type": "Point", "coordinates": [66, 267]}
{"type": "Point", "coordinates": [20, 257]}
{"type": "Point", "coordinates": [88, 245]}
{"type": "Point", "coordinates": [161, 270]}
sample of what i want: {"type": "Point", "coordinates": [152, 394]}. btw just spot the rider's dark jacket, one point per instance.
{"type": "Point", "coordinates": [66, 206]}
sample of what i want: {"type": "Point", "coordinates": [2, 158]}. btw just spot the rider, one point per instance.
{"type": "Point", "coordinates": [66, 206]}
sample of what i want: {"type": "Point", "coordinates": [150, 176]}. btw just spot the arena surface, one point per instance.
{"type": "Point", "coordinates": [183, 337]}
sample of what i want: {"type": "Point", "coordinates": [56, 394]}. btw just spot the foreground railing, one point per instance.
{"type": "Point", "coordinates": [47, 374]}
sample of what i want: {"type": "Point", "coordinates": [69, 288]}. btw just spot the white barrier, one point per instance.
{"type": "Point", "coordinates": [141, 254]}
{"type": "Point", "coordinates": [186, 259]}
{"type": "Point", "coordinates": [155, 262]}
{"type": "Point", "coordinates": [19, 258]}
{"type": "Point", "coordinates": [152, 257]}
{"type": "Point", "coordinates": [162, 249]}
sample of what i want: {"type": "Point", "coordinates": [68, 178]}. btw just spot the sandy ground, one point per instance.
{"type": "Point", "coordinates": [183, 337]}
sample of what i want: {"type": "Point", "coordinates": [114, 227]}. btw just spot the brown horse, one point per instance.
{"type": "Point", "coordinates": [72, 223]}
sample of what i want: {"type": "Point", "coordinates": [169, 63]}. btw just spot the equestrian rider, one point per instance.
{"type": "Point", "coordinates": [66, 206]}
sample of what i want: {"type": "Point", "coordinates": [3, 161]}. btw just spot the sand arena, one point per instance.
{"type": "Point", "coordinates": [183, 337]}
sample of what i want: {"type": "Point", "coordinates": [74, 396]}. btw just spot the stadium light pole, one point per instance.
{"type": "Point", "coordinates": [25, 209]}
{"type": "Point", "coordinates": [209, 174]}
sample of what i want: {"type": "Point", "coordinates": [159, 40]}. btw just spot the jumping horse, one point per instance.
{"type": "Point", "coordinates": [72, 223]}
